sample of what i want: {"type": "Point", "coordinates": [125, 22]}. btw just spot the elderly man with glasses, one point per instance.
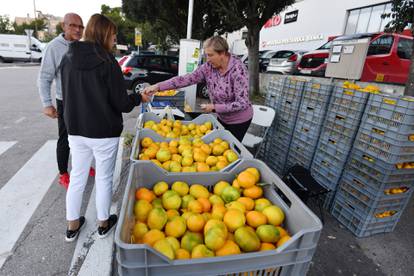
{"type": "Point", "coordinates": [50, 71]}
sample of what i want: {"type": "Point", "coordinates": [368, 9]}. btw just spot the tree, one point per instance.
{"type": "Point", "coordinates": [39, 23]}
{"type": "Point", "coordinates": [5, 25]}
{"type": "Point", "coordinates": [59, 29]}
{"type": "Point", "coordinates": [402, 15]}
{"type": "Point", "coordinates": [167, 20]}
{"type": "Point", "coordinates": [253, 14]}
{"type": "Point", "coordinates": [210, 17]}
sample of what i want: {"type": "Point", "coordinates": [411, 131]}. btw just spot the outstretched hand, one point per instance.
{"type": "Point", "coordinates": [145, 98]}
{"type": "Point", "coordinates": [151, 90]}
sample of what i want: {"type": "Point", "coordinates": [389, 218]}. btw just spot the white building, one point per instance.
{"type": "Point", "coordinates": [307, 24]}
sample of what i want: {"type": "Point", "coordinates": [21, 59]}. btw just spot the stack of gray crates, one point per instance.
{"type": "Point", "coordinates": [177, 100]}
{"type": "Point", "coordinates": [337, 137]}
{"type": "Point", "coordinates": [280, 135]}
{"type": "Point", "coordinates": [309, 122]}
{"type": "Point", "coordinates": [378, 179]}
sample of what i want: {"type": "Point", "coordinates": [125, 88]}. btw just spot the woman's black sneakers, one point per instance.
{"type": "Point", "coordinates": [104, 231]}
{"type": "Point", "coordinates": [71, 235]}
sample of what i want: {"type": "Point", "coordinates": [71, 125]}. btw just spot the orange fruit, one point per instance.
{"type": "Point", "coordinates": [202, 167]}
{"type": "Point", "coordinates": [235, 184]}
{"type": "Point", "coordinates": [146, 141]}
{"type": "Point", "coordinates": [282, 231]}
{"type": "Point", "coordinates": [255, 218]}
{"type": "Point", "coordinates": [255, 172]}
{"type": "Point", "coordinates": [234, 219]}
{"type": "Point", "coordinates": [247, 202]}
{"type": "Point", "coordinates": [195, 206]}
{"type": "Point", "coordinates": [205, 203]}
{"type": "Point", "coordinates": [267, 246]}
{"type": "Point", "coordinates": [206, 149]}
{"type": "Point", "coordinates": [145, 194]}
{"type": "Point", "coordinates": [229, 248]}
{"type": "Point", "coordinates": [246, 179]}
{"type": "Point", "coordinates": [181, 253]}
{"type": "Point", "coordinates": [282, 240]}
{"type": "Point", "coordinates": [253, 192]}
{"type": "Point", "coordinates": [152, 236]}
{"type": "Point", "coordinates": [195, 222]}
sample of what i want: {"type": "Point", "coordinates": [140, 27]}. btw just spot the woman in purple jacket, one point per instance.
{"type": "Point", "coordinates": [227, 82]}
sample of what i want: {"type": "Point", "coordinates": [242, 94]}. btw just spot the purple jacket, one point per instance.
{"type": "Point", "coordinates": [229, 92]}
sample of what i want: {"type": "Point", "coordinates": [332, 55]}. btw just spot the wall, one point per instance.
{"type": "Point", "coordinates": [317, 20]}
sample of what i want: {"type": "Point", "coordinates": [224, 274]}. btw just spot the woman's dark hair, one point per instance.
{"type": "Point", "coordinates": [100, 30]}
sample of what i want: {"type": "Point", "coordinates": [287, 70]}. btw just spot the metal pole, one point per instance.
{"type": "Point", "coordinates": [190, 18]}
{"type": "Point", "coordinates": [35, 23]}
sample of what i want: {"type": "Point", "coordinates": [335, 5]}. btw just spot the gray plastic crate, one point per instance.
{"type": "Point", "coordinates": [358, 225]}
{"type": "Point", "coordinates": [395, 113]}
{"type": "Point", "coordinates": [318, 91]}
{"type": "Point", "coordinates": [386, 145]}
{"type": "Point", "coordinates": [376, 169]}
{"type": "Point", "coordinates": [234, 144]}
{"type": "Point", "coordinates": [348, 102]}
{"type": "Point", "coordinates": [292, 258]}
{"type": "Point", "coordinates": [201, 119]}
{"type": "Point", "coordinates": [351, 187]}
{"type": "Point", "coordinates": [177, 100]}
{"type": "Point", "coordinates": [369, 211]}
{"type": "Point", "coordinates": [327, 170]}
{"type": "Point", "coordinates": [297, 158]}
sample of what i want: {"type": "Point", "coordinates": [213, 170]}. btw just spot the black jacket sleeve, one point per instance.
{"type": "Point", "coordinates": [118, 96]}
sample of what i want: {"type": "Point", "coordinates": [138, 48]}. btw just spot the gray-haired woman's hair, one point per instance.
{"type": "Point", "coordinates": [217, 43]}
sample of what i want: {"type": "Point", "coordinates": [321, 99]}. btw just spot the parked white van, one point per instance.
{"type": "Point", "coordinates": [20, 48]}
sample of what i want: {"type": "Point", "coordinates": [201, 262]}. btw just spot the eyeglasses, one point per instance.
{"type": "Point", "coordinates": [75, 26]}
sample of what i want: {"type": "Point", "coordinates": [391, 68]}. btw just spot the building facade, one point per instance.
{"type": "Point", "coordinates": [308, 24]}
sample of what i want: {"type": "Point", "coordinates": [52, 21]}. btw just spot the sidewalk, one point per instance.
{"type": "Point", "coordinates": [339, 252]}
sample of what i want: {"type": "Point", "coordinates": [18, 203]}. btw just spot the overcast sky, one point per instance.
{"type": "Point", "coordinates": [85, 8]}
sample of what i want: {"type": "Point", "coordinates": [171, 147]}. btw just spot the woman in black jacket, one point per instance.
{"type": "Point", "coordinates": [94, 99]}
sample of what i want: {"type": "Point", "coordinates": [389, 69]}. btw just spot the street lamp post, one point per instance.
{"type": "Point", "coordinates": [35, 23]}
{"type": "Point", "coordinates": [190, 18]}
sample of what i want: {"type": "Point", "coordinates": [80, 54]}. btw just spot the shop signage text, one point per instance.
{"type": "Point", "coordinates": [291, 16]}
{"type": "Point", "coordinates": [292, 40]}
{"type": "Point", "coordinates": [272, 22]}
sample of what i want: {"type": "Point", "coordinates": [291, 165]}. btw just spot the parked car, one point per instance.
{"type": "Point", "coordinates": [388, 56]}
{"type": "Point", "coordinates": [285, 62]}
{"type": "Point", "coordinates": [314, 62]}
{"type": "Point", "coordinates": [121, 60]}
{"type": "Point", "coordinates": [20, 48]}
{"type": "Point", "coordinates": [148, 68]}
{"type": "Point", "coordinates": [264, 57]}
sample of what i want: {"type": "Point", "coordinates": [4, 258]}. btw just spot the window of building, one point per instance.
{"type": "Point", "coordinates": [375, 20]}
{"type": "Point", "coordinates": [381, 46]}
{"type": "Point", "coordinates": [385, 21]}
{"type": "Point", "coordinates": [352, 22]}
{"type": "Point", "coordinates": [363, 20]}
{"type": "Point", "coordinates": [367, 19]}
{"type": "Point", "coordinates": [405, 48]}
{"type": "Point", "coordinates": [20, 45]}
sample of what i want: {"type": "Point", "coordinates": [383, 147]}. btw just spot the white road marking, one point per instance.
{"type": "Point", "coordinates": [18, 121]}
{"type": "Point", "coordinates": [4, 146]}
{"type": "Point", "coordinates": [22, 194]}
{"type": "Point", "coordinates": [93, 256]}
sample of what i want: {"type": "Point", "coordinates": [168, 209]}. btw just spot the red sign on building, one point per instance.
{"type": "Point", "coordinates": [272, 22]}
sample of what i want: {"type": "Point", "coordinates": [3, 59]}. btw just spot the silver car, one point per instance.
{"type": "Point", "coordinates": [285, 62]}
